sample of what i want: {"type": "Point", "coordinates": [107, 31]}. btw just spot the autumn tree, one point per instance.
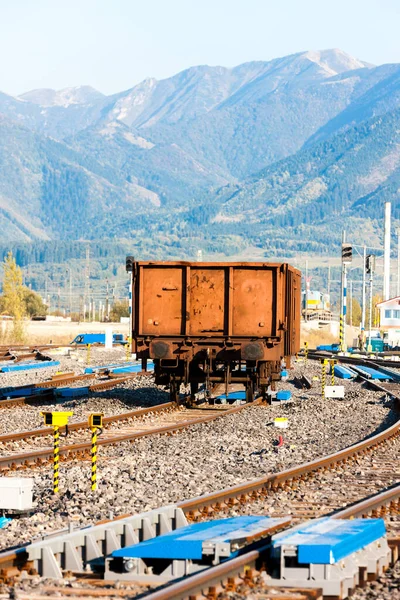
{"type": "Point", "coordinates": [13, 302]}
{"type": "Point", "coordinates": [34, 305]}
{"type": "Point", "coordinates": [354, 310]}
{"type": "Point", "coordinates": [118, 310]}
{"type": "Point", "coordinates": [375, 312]}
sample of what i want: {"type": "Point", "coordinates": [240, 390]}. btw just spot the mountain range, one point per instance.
{"type": "Point", "coordinates": [266, 158]}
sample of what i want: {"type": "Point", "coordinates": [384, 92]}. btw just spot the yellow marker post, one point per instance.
{"type": "Point", "coordinates": [324, 362]}
{"type": "Point", "coordinates": [56, 420]}
{"type": "Point", "coordinates": [333, 363]}
{"type": "Point", "coordinates": [128, 348]}
{"type": "Point", "coordinates": [88, 354]}
{"type": "Point", "coordinates": [56, 458]}
{"type": "Point", "coordinates": [305, 352]}
{"type": "Point", "coordinates": [95, 423]}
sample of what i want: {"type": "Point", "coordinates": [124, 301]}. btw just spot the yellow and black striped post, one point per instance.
{"type": "Point", "coordinates": [305, 352]}
{"type": "Point", "coordinates": [333, 363]}
{"type": "Point", "coordinates": [341, 333]}
{"type": "Point", "coordinates": [88, 355]}
{"type": "Point", "coordinates": [324, 362]}
{"type": "Point", "coordinates": [128, 348]}
{"type": "Point", "coordinates": [95, 422]}
{"type": "Point", "coordinates": [56, 459]}
{"type": "Point", "coordinates": [94, 458]}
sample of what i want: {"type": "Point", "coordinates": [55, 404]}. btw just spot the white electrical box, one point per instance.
{"type": "Point", "coordinates": [334, 391]}
{"type": "Point", "coordinates": [16, 493]}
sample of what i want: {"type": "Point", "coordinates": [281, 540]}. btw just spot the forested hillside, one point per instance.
{"type": "Point", "coordinates": [265, 159]}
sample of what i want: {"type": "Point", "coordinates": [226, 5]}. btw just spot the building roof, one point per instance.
{"type": "Point", "coordinates": [390, 300]}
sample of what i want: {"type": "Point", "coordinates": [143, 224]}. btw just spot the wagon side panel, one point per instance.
{"type": "Point", "coordinates": [254, 302]}
{"type": "Point", "coordinates": [161, 299]}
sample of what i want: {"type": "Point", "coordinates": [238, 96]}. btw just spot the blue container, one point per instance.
{"type": "Point", "coordinates": [283, 395]}
{"type": "Point", "coordinates": [84, 339]}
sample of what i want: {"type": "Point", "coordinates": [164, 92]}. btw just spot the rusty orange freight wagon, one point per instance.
{"type": "Point", "coordinates": [215, 322]}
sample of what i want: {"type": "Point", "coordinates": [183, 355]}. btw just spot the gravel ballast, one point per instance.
{"type": "Point", "coordinates": [154, 471]}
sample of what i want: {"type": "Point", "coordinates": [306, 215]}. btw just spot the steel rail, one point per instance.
{"type": "Point", "coordinates": [221, 577]}
{"type": "Point", "coordinates": [32, 459]}
{"type": "Point", "coordinates": [34, 433]}
{"type": "Point", "coordinates": [48, 393]}
{"type": "Point", "coordinates": [259, 487]}
{"type": "Point", "coordinates": [355, 360]}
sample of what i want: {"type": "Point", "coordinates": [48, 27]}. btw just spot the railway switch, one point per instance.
{"type": "Point", "coordinates": [190, 549]}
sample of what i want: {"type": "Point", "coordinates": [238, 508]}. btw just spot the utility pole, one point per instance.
{"type": "Point", "coordinates": [370, 268]}
{"type": "Point", "coordinates": [87, 285]}
{"type": "Point", "coordinates": [351, 304]}
{"type": "Point", "coordinates": [398, 261]}
{"type": "Point", "coordinates": [347, 254]}
{"type": "Point", "coordinates": [363, 288]}
{"type": "Point", "coordinates": [70, 292]}
{"type": "Point", "coordinates": [107, 305]}
{"type": "Point", "coordinates": [306, 309]}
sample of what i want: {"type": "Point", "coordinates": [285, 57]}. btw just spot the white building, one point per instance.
{"type": "Point", "coordinates": [390, 320]}
{"type": "Point", "coordinates": [390, 312]}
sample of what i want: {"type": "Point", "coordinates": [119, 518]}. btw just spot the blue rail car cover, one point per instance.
{"type": "Point", "coordinates": [329, 348]}
{"type": "Point", "coordinates": [326, 541]}
{"type": "Point", "coordinates": [284, 395]}
{"type": "Point", "coordinates": [27, 366]}
{"type": "Point", "coordinates": [240, 395]}
{"type": "Point", "coordinates": [344, 372]}
{"type": "Point", "coordinates": [4, 521]}
{"type": "Point", "coordinates": [134, 367]}
{"type": "Point", "coordinates": [371, 373]}
{"type": "Point", "coordinates": [188, 542]}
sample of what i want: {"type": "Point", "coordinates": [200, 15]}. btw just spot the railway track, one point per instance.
{"type": "Point", "coordinates": [48, 394]}
{"type": "Point", "coordinates": [162, 419]}
{"type": "Point", "coordinates": [356, 481]}
{"type": "Point", "coordinates": [242, 574]}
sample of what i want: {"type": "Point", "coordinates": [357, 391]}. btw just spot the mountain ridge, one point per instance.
{"type": "Point", "coordinates": [200, 158]}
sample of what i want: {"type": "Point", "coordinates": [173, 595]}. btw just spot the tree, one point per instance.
{"type": "Point", "coordinates": [34, 305]}
{"type": "Point", "coordinates": [355, 311]}
{"type": "Point", "coordinates": [13, 296]}
{"type": "Point", "coordinates": [118, 310]}
{"type": "Point", "coordinates": [375, 312]}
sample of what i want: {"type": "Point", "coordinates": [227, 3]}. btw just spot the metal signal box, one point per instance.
{"type": "Point", "coordinates": [16, 493]}
{"type": "Point", "coordinates": [96, 420]}
{"type": "Point", "coordinates": [56, 419]}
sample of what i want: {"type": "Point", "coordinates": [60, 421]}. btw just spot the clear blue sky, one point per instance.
{"type": "Point", "coordinates": [114, 44]}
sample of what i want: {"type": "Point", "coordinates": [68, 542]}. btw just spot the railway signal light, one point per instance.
{"type": "Point", "coordinates": [129, 263]}
{"type": "Point", "coordinates": [347, 254]}
{"type": "Point", "coordinates": [370, 264]}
